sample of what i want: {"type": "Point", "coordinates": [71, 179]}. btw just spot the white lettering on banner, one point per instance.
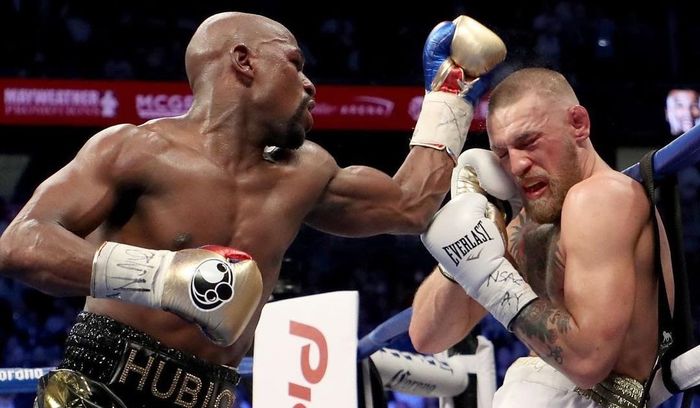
{"type": "Point", "coordinates": [368, 106]}
{"type": "Point", "coordinates": [324, 108]}
{"type": "Point", "coordinates": [59, 102]}
{"type": "Point", "coordinates": [20, 374]}
{"type": "Point", "coordinates": [311, 374]}
{"type": "Point", "coordinates": [149, 106]}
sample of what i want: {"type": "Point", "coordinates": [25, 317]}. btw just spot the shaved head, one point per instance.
{"type": "Point", "coordinates": [218, 34]}
{"type": "Point", "coordinates": [540, 81]}
{"type": "Point", "coordinates": [245, 71]}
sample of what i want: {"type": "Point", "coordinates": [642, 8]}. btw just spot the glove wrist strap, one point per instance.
{"type": "Point", "coordinates": [446, 274]}
{"type": "Point", "coordinates": [128, 273]}
{"type": "Point", "coordinates": [504, 293]}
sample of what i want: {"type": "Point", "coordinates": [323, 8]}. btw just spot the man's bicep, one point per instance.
{"type": "Point", "coordinates": [74, 198]}
{"type": "Point", "coordinates": [79, 195]}
{"type": "Point", "coordinates": [358, 201]}
{"type": "Point", "coordinates": [600, 281]}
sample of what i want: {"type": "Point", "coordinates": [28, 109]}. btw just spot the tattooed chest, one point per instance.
{"type": "Point", "coordinates": [540, 259]}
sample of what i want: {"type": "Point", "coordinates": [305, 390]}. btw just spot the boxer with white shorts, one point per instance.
{"type": "Point", "coordinates": [578, 283]}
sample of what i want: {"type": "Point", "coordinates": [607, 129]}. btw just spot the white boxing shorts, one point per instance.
{"type": "Point", "coordinates": [532, 383]}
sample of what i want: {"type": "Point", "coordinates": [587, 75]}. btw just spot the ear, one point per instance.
{"type": "Point", "coordinates": [240, 62]}
{"type": "Point", "coordinates": [580, 122]}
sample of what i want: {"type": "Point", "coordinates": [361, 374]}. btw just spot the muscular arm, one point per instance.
{"type": "Point", "coordinates": [602, 221]}
{"type": "Point", "coordinates": [362, 201]}
{"type": "Point", "coordinates": [443, 314]}
{"type": "Point", "coordinates": [44, 246]}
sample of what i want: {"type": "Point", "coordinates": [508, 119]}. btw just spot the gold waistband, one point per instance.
{"type": "Point", "coordinates": [616, 391]}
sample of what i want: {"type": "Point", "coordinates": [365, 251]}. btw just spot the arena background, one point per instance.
{"type": "Point", "coordinates": [622, 58]}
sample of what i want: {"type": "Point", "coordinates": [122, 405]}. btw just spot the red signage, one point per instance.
{"type": "Point", "coordinates": [104, 103]}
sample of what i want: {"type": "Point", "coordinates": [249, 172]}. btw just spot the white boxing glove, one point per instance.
{"type": "Point", "coordinates": [479, 171]}
{"type": "Point", "coordinates": [469, 247]}
{"type": "Point", "coordinates": [218, 288]}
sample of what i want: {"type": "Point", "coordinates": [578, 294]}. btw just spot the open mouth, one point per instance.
{"type": "Point", "coordinates": [534, 190]}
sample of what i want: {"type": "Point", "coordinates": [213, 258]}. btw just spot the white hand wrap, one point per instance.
{"type": "Point", "coordinates": [443, 123]}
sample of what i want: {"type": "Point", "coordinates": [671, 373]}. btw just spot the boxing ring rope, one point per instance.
{"type": "Point", "coordinates": [677, 155]}
{"type": "Point", "coordinates": [682, 152]}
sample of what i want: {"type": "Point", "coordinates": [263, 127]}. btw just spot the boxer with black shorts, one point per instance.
{"type": "Point", "coordinates": [169, 312]}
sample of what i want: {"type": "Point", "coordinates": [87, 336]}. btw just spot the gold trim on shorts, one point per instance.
{"type": "Point", "coordinates": [616, 391]}
{"type": "Point", "coordinates": [69, 389]}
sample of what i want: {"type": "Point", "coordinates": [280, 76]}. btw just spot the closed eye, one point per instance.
{"type": "Point", "coordinates": [526, 141]}
{"type": "Point", "coordinates": [500, 153]}
{"type": "Point", "coordinates": [297, 59]}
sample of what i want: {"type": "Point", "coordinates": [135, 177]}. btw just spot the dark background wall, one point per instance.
{"type": "Point", "coordinates": [621, 57]}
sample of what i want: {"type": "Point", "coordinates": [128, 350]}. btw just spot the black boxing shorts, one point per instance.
{"type": "Point", "coordinates": [110, 364]}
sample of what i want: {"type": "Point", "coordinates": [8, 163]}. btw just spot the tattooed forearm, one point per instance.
{"type": "Point", "coordinates": [516, 238]}
{"type": "Point", "coordinates": [555, 354]}
{"type": "Point", "coordinates": [556, 262]}
{"type": "Point", "coordinates": [540, 325]}
{"type": "Point", "coordinates": [515, 234]}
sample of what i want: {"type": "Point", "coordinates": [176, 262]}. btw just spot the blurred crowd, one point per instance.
{"type": "Point", "coordinates": [622, 59]}
{"type": "Point", "coordinates": [346, 42]}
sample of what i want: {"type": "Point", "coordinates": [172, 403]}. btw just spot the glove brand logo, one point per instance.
{"type": "Point", "coordinates": [368, 106]}
{"type": "Point", "coordinates": [212, 284]}
{"type": "Point", "coordinates": [474, 256]}
{"type": "Point", "coordinates": [460, 248]}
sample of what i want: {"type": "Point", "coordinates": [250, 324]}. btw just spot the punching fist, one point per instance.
{"type": "Point", "coordinates": [216, 287]}
{"type": "Point", "coordinates": [469, 248]}
{"type": "Point", "coordinates": [457, 57]}
{"type": "Point", "coordinates": [457, 53]}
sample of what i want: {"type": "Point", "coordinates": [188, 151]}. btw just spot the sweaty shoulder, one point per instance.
{"type": "Point", "coordinates": [121, 151]}
{"type": "Point", "coordinates": [317, 160]}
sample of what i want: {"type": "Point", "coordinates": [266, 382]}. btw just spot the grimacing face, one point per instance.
{"type": "Point", "coordinates": [547, 208]}
{"type": "Point", "coordinates": [534, 145]}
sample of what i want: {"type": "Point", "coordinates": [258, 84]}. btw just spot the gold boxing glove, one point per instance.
{"type": "Point", "coordinates": [458, 57]}
{"type": "Point", "coordinates": [216, 287]}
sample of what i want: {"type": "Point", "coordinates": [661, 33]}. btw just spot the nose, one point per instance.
{"type": "Point", "coordinates": [308, 86]}
{"type": "Point", "coordinates": [519, 162]}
